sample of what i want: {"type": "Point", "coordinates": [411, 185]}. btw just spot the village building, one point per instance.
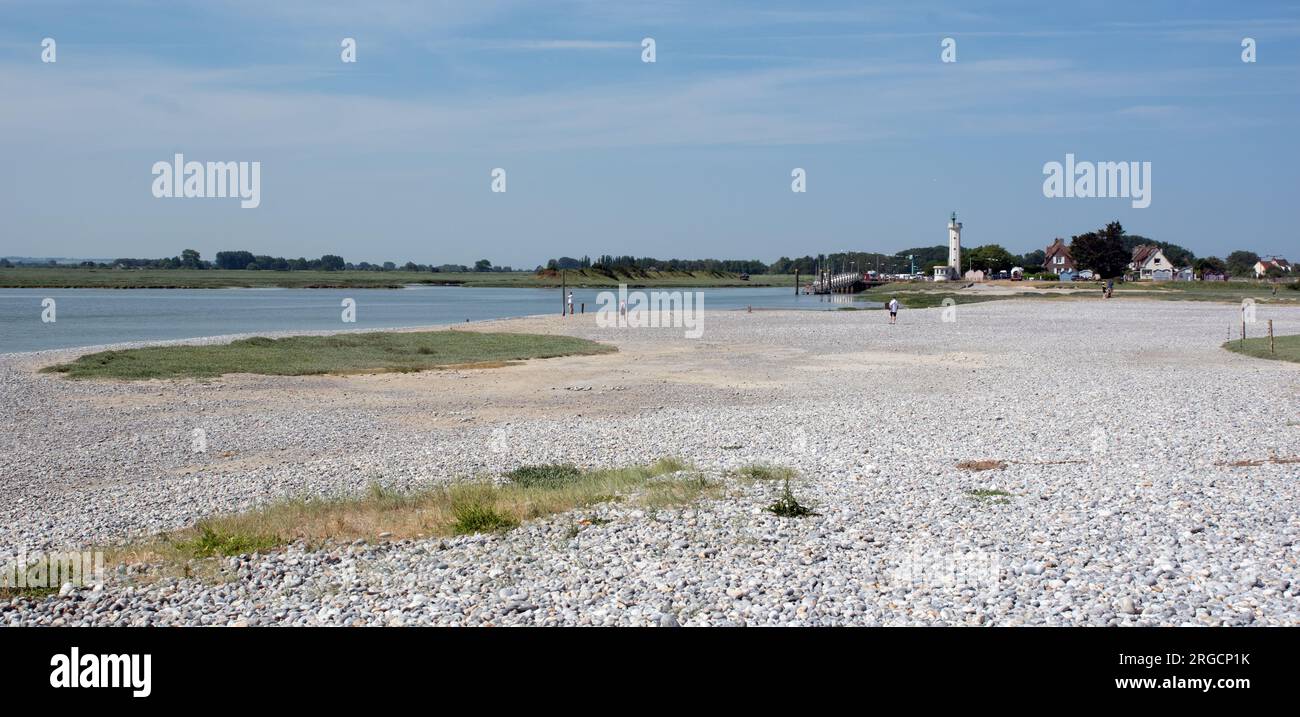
{"type": "Point", "coordinates": [1150, 262]}
{"type": "Point", "coordinates": [1263, 265]}
{"type": "Point", "coordinates": [1058, 257]}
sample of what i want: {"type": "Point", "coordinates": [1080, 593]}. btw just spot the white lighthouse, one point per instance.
{"type": "Point", "coordinates": [952, 271]}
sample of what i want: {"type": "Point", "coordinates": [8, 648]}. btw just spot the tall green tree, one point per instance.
{"type": "Point", "coordinates": [1101, 251]}
{"type": "Point", "coordinates": [990, 257]}
{"type": "Point", "coordinates": [1211, 265]}
{"type": "Point", "coordinates": [1242, 262]}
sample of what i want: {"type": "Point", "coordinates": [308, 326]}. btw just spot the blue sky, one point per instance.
{"type": "Point", "coordinates": [390, 158]}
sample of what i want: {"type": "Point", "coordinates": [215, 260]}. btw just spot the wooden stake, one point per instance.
{"type": "Point", "coordinates": [1270, 337]}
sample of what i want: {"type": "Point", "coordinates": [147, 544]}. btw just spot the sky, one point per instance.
{"type": "Point", "coordinates": [390, 157]}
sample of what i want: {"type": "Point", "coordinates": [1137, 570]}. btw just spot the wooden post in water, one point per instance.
{"type": "Point", "coordinates": [796, 282]}
{"type": "Point", "coordinates": [564, 276]}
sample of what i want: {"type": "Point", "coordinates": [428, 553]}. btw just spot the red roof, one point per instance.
{"type": "Point", "coordinates": [1142, 253]}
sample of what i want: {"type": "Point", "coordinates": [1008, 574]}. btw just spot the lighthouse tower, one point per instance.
{"type": "Point", "coordinates": [951, 272]}
{"type": "Point", "coordinates": [954, 246]}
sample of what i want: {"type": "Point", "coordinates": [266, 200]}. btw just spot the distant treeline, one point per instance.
{"type": "Point", "coordinates": [988, 257]}
{"type": "Point", "coordinates": [645, 263]}
{"type": "Point", "coordinates": [246, 260]}
{"type": "Point", "coordinates": [922, 259]}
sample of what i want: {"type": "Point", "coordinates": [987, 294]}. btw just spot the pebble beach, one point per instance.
{"type": "Point", "coordinates": [1143, 475]}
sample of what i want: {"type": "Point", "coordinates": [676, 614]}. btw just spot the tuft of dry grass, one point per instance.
{"type": "Point", "coordinates": [1259, 462]}
{"type": "Point", "coordinates": [479, 506]}
{"type": "Point", "coordinates": [987, 464]}
{"type": "Point", "coordinates": [762, 472]}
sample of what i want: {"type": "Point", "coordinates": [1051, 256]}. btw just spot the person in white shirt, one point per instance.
{"type": "Point", "coordinates": [893, 311]}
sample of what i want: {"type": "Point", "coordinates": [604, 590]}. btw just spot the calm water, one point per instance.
{"type": "Point", "coordinates": [89, 317]}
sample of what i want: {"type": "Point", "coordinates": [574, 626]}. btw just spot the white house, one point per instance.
{"type": "Point", "coordinates": [1263, 265]}
{"type": "Point", "coordinates": [1150, 262]}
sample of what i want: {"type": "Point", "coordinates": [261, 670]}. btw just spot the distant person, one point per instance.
{"type": "Point", "coordinates": [570, 303]}
{"type": "Point", "coordinates": [893, 311]}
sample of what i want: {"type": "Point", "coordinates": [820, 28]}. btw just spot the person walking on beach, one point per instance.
{"type": "Point", "coordinates": [893, 311]}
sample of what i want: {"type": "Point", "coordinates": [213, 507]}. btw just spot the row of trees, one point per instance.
{"type": "Point", "coordinates": [246, 260]}
{"type": "Point", "coordinates": [646, 263]}
{"type": "Point", "coordinates": [1106, 251]}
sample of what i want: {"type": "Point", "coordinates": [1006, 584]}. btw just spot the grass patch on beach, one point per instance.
{"type": "Point", "coordinates": [763, 472]}
{"type": "Point", "coordinates": [997, 495]}
{"type": "Point", "coordinates": [478, 506]}
{"type": "Point", "coordinates": [986, 464]}
{"type": "Point", "coordinates": [1248, 463]}
{"type": "Point", "coordinates": [926, 299]}
{"type": "Point", "coordinates": [549, 474]}
{"type": "Point", "coordinates": [1287, 348]}
{"type": "Point", "coordinates": [335, 354]}
{"type": "Point", "coordinates": [27, 593]}
{"type": "Point", "coordinates": [787, 506]}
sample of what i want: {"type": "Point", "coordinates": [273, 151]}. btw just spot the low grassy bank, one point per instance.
{"type": "Point", "coordinates": [928, 299]}
{"type": "Point", "coordinates": [336, 354]}
{"type": "Point", "coordinates": [1287, 348]}
{"type": "Point", "coordinates": [64, 277]}
{"type": "Point", "coordinates": [479, 506]}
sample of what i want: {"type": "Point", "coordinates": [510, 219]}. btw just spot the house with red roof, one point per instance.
{"type": "Point", "coordinates": [1263, 265]}
{"type": "Point", "coordinates": [1058, 257]}
{"type": "Point", "coordinates": [1150, 262]}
